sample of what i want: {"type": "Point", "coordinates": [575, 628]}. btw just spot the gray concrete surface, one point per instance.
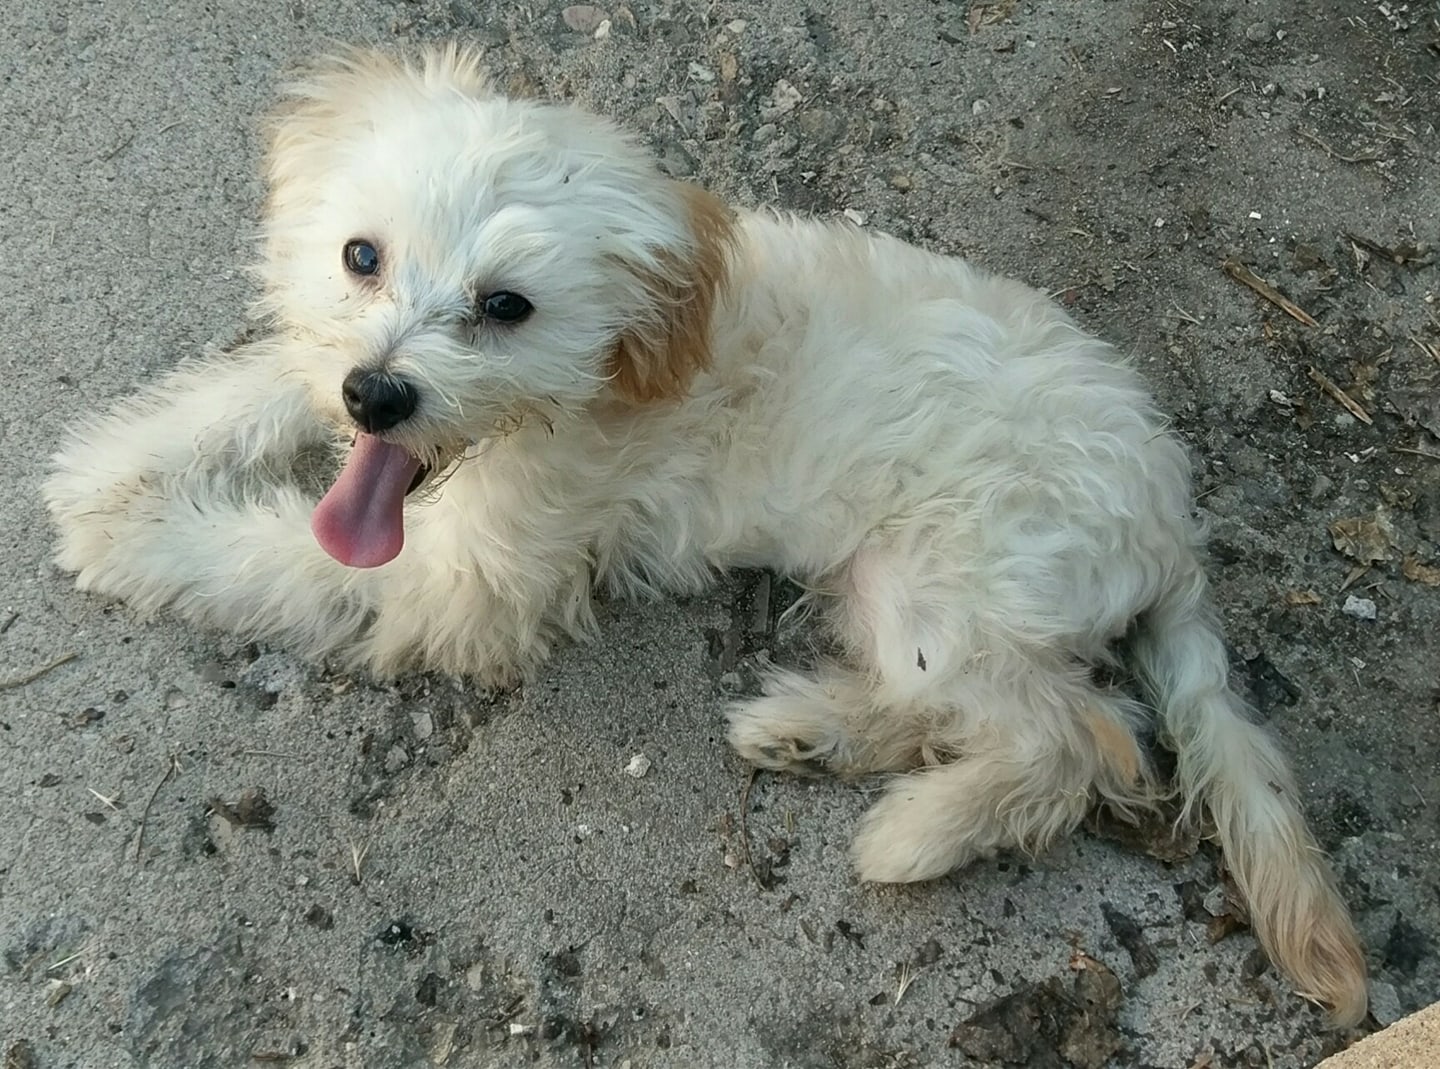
{"type": "Point", "coordinates": [463, 879]}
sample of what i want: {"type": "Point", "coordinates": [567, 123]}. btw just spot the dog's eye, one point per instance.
{"type": "Point", "coordinates": [505, 307]}
{"type": "Point", "coordinates": [361, 258]}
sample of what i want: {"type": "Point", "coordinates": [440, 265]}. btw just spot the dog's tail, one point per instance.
{"type": "Point", "coordinates": [1229, 764]}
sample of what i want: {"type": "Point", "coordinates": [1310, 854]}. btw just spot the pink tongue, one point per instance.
{"type": "Point", "coordinates": [361, 521]}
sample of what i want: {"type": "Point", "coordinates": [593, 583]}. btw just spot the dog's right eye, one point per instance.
{"type": "Point", "coordinates": [361, 258]}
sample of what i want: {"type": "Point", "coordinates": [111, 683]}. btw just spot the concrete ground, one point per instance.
{"type": "Point", "coordinates": [213, 855]}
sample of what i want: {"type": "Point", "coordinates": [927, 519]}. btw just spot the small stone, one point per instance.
{"type": "Point", "coordinates": [424, 725]}
{"type": "Point", "coordinates": [396, 758]}
{"type": "Point", "coordinates": [980, 106]}
{"type": "Point", "coordinates": [857, 217]}
{"type": "Point", "coordinates": [784, 99]}
{"type": "Point", "coordinates": [701, 74]}
{"type": "Point", "coordinates": [1257, 32]}
{"type": "Point", "coordinates": [584, 18]}
{"type": "Point", "coordinates": [1214, 901]}
{"type": "Point", "coordinates": [602, 33]}
{"type": "Point", "coordinates": [736, 26]}
{"type": "Point", "coordinates": [732, 860]}
{"type": "Point", "coordinates": [731, 681]}
{"type": "Point", "coordinates": [583, 831]}
{"type": "Point", "coordinates": [1360, 608]}
{"type": "Point", "coordinates": [637, 766]}
{"type": "Point", "coordinates": [1385, 1002]}
{"type": "Point", "coordinates": [765, 132]}
{"type": "Point", "coordinates": [903, 182]}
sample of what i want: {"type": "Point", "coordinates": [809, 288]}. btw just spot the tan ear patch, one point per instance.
{"type": "Point", "coordinates": [658, 359]}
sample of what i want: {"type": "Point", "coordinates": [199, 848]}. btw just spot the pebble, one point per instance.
{"type": "Point", "coordinates": [1257, 32]}
{"type": "Point", "coordinates": [980, 106]}
{"type": "Point", "coordinates": [1214, 901]}
{"type": "Point", "coordinates": [638, 766]}
{"type": "Point", "coordinates": [903, 182]}
{"type": "Point", "coordinates": [784, 99]}
{"type": "Point", "coordinates": [396, 758]}
{"type": "Point", "coordinates": [1360, 608]}
{"type": "Point", "coordinates": [424, 725]}
{"type": "Point", "coordinates": [1385, 1002]}
{"type": "Point", "coordinates": [583, 18]}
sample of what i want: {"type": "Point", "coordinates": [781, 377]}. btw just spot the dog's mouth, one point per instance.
{"type": "Point", "coordinates": [361, 519]}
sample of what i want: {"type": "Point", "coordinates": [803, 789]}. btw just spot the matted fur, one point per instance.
{"type": "Point", "coordinates": [982, 497]}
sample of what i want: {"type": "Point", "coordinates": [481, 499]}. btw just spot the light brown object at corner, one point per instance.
{"type": "Point", "coordinates": [1410, 1043]}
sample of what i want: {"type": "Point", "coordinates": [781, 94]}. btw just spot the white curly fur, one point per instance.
{"type": "Point", "coordinates": [982, 496]}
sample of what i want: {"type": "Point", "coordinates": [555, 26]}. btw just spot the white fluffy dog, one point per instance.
{"type": "Point", "coordinates": [546, 368]}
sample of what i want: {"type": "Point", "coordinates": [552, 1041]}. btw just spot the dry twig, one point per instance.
{"type": "Point", "coordinates": [745, 828]}
{"type": "Point", "coordinates": [171, 770]}
{"type": "Point", "coordinates": [1242, 274]}
{"type": "Point", "coordinates": [30, 677]}
{"type": "Point", "coordinates": [1347, 402]}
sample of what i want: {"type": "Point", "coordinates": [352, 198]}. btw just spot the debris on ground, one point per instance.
{"type": "Point", "coordinates": [1049, 1024]}
{"type": "Point", "coordinates": [1367, 539]}
{"type": "Point", "coordinates": [251, 810]}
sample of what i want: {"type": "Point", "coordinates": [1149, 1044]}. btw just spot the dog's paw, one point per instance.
{"type": "Point", "coordinates": [908, 836]}
{"type": "Point", "coordinates": [89, 513]}
{"type": "Point", "coordinates": [786, 733]}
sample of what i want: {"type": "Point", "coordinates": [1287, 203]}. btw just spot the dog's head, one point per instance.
{"type": "Point", "coordinates": [461, 260]}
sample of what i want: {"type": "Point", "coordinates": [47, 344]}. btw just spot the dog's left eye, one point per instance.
{"type": "Point", "coordinates": [361, 258]}
{"type": "Point", "coordinates": [505, 307]}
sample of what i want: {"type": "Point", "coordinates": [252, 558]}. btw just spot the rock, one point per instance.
{"type": "Point", "coordinates": [1360, 608]}
{"type": "Point", "coordinates": [1258, 32]}
{"type": "Point", "coordinates": [784, 99]}
{"type": "Point", "coordinates": [637, 766]}
{"type": "Point", "coordinates": [1385, 1002]}
{"type": "Point", "coordinates": [584, 18]}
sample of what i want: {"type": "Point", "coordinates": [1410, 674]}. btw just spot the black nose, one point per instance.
{"type": "Point", "coordinates": [378, 400]}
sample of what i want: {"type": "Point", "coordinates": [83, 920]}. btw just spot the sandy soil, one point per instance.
{"type": "Point", "coordinates": [213, 855]}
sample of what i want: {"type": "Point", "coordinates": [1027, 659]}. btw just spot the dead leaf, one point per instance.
{"type": "Point", "coordinates": [1363, 538]}
{"type": "Point", "coordinates": [1405, 254]}
{"type": "Point", "coordinates": [251, 810]}
{"type": "Point", "coordinates": [1411, 568]}
{"type": "Point", "coordinates": [1301, 597]}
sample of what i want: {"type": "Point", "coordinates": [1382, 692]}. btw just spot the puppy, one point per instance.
{"type": "Point", "coordinates": [540, 368]}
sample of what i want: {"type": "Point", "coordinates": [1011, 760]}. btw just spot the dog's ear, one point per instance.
{"type": "Point", "coordinates": [658, 355]}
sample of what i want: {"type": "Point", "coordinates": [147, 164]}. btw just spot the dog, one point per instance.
{"type": "Point", "coordinates": [544, 371]}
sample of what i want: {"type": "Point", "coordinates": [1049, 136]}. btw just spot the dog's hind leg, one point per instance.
{"type": "Point", "coordinates": [1032, 758]}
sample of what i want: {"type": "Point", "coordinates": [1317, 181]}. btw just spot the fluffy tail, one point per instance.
{"type": "Point", "coordinates": [1229, 764]}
